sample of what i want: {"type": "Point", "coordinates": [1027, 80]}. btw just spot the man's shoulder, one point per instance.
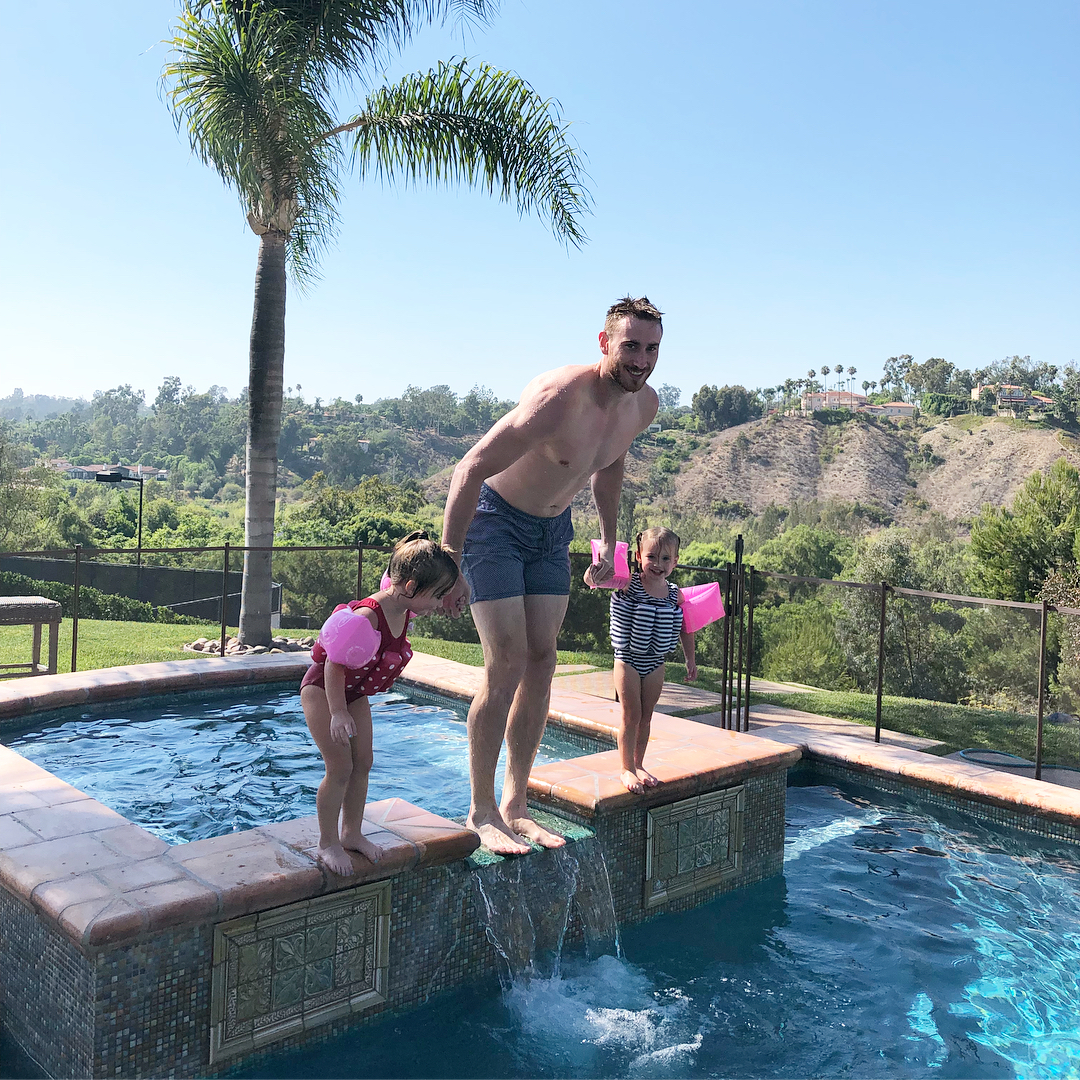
{"type": "Point", "coordinates": [561, 379]}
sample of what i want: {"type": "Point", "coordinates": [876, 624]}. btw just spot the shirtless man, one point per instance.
{"type": "Point", "coordinates": [508, 523]}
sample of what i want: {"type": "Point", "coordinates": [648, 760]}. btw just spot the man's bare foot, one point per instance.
{"type": "Point", "coordinates": [533, 830]}
{"type": "Point", "coordinates": [358, 842]}
{"type": "Point", "coordinates": [335, 858]}
{"type": "Point", "coordinates": [646, 777]}
{"type": "Point", "coordinates": [631, 782]}
{"type": "Point", "coordinates": [497, 836]}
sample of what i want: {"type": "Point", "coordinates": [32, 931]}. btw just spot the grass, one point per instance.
{"type": "Point", "coordinates": [113, 644]}
{"type": "Point", "coordinates": [959, 727]}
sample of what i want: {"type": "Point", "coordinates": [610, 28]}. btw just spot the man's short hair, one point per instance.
{"type": "Point", "coordinates": [630, 307]}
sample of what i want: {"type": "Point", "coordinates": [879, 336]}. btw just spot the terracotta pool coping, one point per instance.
{"type": "Point", "coordinates": [960, 779]}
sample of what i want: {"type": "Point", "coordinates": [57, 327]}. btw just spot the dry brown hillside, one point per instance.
{"type": "Point", "coordinates": [988, 463]}
{"type": "Point", "coordinates": [954, 467]}
{"type": "Point", "coordinates": [792, 459]}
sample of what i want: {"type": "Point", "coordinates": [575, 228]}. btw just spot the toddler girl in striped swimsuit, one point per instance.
{"type": "Point", "coordinates": [646, 624]}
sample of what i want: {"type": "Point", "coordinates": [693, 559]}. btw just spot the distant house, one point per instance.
{"type": "Point", "coordinates": [902, 409]}
{"type": "Point", "coordinates": [832, 399]}
{"type": "Point", "coordinates": [88, 472]}
{"type": "Point", "coordinates": [653, 428]}
{"type": "Point", "coordinates": [82, 472]}
{"type": "Point", "coordinates": [1009, 397]}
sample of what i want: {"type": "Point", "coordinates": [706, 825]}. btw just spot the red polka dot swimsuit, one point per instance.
{"type": "Point", "coordinates": [374, 677]}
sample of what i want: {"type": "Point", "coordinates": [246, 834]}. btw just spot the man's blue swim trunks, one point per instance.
{"type": "Point", "coordinates": [510, 553]}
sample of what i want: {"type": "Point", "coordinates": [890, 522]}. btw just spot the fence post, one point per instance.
{"type": "Point", "coordinates": [880, 661]}
{"type": "Point", "coordinates": [749, 643]}
{"type": "Point", "coordinates": [735, 693]}
{"type": "Point", "coordinates": [725, 667]}
{"type": "Point", "coordinates": [224, 595]}
{"type": "Point", "coordinates": [360, 570]}
{"type": "Point", "coordinates": [75, 612]}
{"type": "Point", "coordinates": [1042, 694]}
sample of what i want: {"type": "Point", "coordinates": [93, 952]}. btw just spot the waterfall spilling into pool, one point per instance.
{"type": "Point", "coordinates": [528, 905]}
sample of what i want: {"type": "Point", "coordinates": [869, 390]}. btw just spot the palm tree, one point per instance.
{"type": "Point", "coordinates": [851, 376]}
{"type": "Point", "coordinates": [253, 83]}
{"type": "Point", "coordinates": [825, 372]}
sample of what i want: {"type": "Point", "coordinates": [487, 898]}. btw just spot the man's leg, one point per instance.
{"type": "Point", "coordinates": [528, 714]}
{"type": "Point", "coordinates": [501, 625]}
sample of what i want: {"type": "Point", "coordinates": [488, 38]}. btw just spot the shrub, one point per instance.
{"type": "Point", "coordinates": [93, 603]}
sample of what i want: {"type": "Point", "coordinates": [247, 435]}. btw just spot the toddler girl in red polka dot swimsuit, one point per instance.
{"type": "Point", "coordinates": [335, 698]}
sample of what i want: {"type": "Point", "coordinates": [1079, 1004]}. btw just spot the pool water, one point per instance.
{"type": "Point", "coordinates": [895, 944]}
{"type": "Point", "coordinates": [191, 767]}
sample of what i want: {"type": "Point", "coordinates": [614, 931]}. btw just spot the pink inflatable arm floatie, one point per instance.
{"type": "Point", "coordinates": [701, 605]}
{"type": "Point", "coordinates": [349, 639]}
{"type": "Point", "coordinates": [621, 577]}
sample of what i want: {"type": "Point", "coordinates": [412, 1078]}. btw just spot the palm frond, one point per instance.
{"type": "Point", "coordinates": [479, 126]}
{"type": "Point", "coordinates": [353, 38]}
{"type": "Point", "coordinates": [253, 108]}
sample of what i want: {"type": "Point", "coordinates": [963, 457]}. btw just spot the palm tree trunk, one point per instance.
{"type": "Point", "coordinates": [266, 363]}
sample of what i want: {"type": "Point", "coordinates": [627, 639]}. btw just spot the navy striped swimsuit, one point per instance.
{"type": "Point", "coordinates": [644, 628]}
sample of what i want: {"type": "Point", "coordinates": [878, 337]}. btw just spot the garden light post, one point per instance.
{"type": "Point", "coordinates": [114, 476]}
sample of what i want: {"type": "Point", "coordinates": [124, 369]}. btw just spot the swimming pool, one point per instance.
{"type": "Point", "coordinates": [896, 943]}
{"type": "Point", "coordinates": [191, 767]}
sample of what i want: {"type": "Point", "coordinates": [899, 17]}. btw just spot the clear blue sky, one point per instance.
{"type": "Point", "coordinates": [794, 183]}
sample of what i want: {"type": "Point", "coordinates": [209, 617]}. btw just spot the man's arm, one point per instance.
{"type": "Point", "coordinates": [606, 489]}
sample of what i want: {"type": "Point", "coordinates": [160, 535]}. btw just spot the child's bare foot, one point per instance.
{"type": "Point", "coordinates": [356, 841]}
{"type": "Point", "coordinates": [497, 836]}
{"type": "Point", "coordinates": [336, 859]}
{"type": "Point", "coordinates": [631, 782]}
{"type": "Point", "coordinates": [532, 830]}
{"type": "Point", "coordinates": [646, 777]}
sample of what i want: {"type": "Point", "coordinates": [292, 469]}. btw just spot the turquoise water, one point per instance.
{"type": "Point", "coordinates": [895, 944]}
{"type": "Point", "coordinates": [191, 767]}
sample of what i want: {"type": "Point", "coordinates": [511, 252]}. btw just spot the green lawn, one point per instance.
{"type": "Point", "coordinates": [114, 644]}
{"type": "Point", "coordinates": [959, 727]}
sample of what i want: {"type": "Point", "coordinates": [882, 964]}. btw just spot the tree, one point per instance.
{"type": "Point", "coordinates": [670, 396]}
{"type": "Point", "coordinates": [895, 371]}
{"type": "Point", "coordinates": [253, 83]}
{"type": "Point", "coordinates": [1017, 549]}
{"type": "Point", "coordinates": [724, 407]}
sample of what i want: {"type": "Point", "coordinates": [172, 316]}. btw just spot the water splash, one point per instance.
{"type": "Point", "coordinates": [527, 906]}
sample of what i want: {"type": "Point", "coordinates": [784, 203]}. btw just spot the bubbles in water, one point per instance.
{"type": "Point", "coordinates": [605, 1017]}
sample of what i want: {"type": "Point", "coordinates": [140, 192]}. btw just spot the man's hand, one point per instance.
{"type": "Point", "coordinates": [457, 599]}
{"type": "Point", "coordinates": [604, 568]}
{"type": "Point", "coordinates": [342, 728]}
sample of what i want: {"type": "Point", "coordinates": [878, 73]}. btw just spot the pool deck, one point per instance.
{"type": "Point", "coordinates": [101, 879]}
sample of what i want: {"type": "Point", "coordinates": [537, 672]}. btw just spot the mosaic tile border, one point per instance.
{"type": "Point", "coordinates": [297, 967]}
{"type": "Point", "coordinates": [935, 797]}
{"type": "Point", "coordinates": [693, 844]}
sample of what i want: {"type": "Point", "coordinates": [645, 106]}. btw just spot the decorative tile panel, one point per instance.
{"type": "Point", "coordinates": [293, 968]}
{"type": "Point", "coordinates": [693, 844]}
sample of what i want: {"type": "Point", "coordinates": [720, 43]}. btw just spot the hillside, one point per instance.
{"type": "Point", "coordinates": [953, 467]}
